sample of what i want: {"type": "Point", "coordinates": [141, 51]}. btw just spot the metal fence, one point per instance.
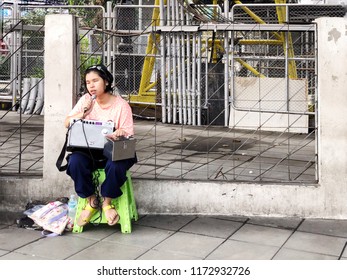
{"type": "Point", "coordinates": [249, 88]}
{"type": "Point", "coordinates": [228, 99]}
{"type": "Point", "coordinates": [22, 79]}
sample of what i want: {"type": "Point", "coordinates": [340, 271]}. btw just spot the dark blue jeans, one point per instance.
{"type": "Point", "coordinates": [81, 166]}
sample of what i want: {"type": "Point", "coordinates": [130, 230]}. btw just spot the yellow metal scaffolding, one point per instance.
{"type": "Point", "coordinates": [147, 93]}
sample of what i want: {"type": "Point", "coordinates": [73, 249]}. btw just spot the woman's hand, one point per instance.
{"type": "Point", "coordinates": [75, 116]}
{"type": "Point", "coordinates": [87, 105]}
{"type": "Point", "coordinates": [115, 135]}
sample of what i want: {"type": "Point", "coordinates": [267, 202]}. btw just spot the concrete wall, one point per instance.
{"type": "Point", "coordinates": [328, 199]}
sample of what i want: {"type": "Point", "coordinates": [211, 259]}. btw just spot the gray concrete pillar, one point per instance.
{"type": "Point", "coordinates": [60, 67]}
{"type": "Point", "coordinates": [332, 103]}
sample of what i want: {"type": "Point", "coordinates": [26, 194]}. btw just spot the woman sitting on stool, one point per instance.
{"type": "Point", "coordinates": [100, 104]}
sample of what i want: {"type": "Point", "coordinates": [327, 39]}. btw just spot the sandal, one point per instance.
{"type": "Point", "coordinates": [116, 218]}
{"type": "Point", "coordinates": [83, 221]}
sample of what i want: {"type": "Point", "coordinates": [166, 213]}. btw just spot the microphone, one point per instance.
{"type": "Point", "coordinates": [85, 108]}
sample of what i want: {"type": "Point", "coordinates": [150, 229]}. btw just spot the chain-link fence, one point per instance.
{"type": "Point", "coordinates": [221, 101]}
{"type": "Point", "coordinates": [22, 78]}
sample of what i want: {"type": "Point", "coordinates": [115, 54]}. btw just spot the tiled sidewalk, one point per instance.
{"type": "Point", "coordinates": [186, 238]}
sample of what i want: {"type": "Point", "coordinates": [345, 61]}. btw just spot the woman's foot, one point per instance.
{"type": "Point", "coordinates": [111, 214]}
{"type": "Point", "coordinates": [87, 213]}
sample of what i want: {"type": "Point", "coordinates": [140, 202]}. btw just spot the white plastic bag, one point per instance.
{"type": "Point", "coordinates": [52, 217]}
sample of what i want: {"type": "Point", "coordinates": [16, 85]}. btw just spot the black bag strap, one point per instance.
{"type": "Point", "coordinates": [61, 156]}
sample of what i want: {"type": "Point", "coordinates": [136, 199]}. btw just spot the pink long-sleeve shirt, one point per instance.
{"type": "Point", "coordinates": [119, 112]}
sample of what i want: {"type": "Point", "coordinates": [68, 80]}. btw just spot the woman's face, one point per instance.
{"type": "Point", "coordinates": [95, 84]}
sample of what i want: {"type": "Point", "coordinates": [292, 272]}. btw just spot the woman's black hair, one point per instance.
{"type": "Point", "coordinates": [103, 73]}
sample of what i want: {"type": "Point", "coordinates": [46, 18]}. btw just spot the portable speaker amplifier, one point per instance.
{"type": "Point", "coordinates": [88, 133]}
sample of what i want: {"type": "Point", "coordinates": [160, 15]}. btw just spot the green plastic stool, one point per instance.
{"type": "Point", "coordinates": [125, 206]}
